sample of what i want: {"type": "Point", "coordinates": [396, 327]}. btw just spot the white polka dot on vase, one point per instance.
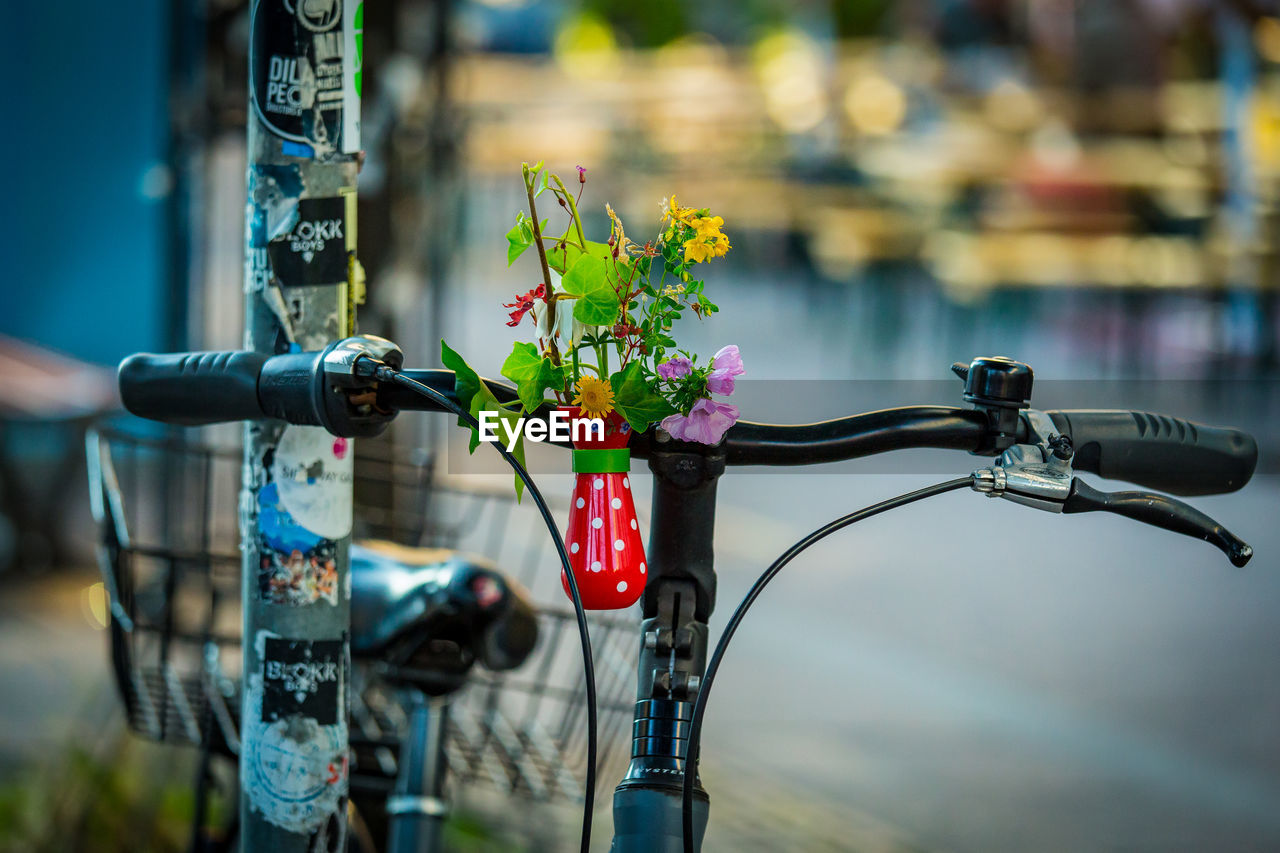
{"type": "Point", "coordinates": [642, 568]}
{"type": "Point", "coordinates": [573, 549]}
{"type": "Point", "coordinates": [618, 544]}
{"type": "Point", "coordinates": [598, 484]}
{"type": "Point", "coordinates": [616, 503]}
{"type": "Point", "coordinates": [581, 503]}
{"type": "Point", "coordinates": [597, 523]}
{"type": "Point", "coordinates": [633, 524]}
{"type": "Point", "coordinates": [622, 586]}
{"type": "Point", "coordinates": [595, 567]}
{"type": "Point", "coordinates": [626, 482]}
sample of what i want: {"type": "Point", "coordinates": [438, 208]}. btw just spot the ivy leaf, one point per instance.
{"type": "Point", "coordinates": [532, 373]}
{"type": "Point", "coordinates": [518, 452]}
{"type": "Point", "coordinates": [597, 303]}
{"type": "Point", "coordinates": [522, 363]}
{"type": "Point", "coordinates": [517, 242]}
{"type": "Point", "coordinates": [466, 383]}
{"type": "Point", "coordinates": [562, 258]}
{"type": "Point", "coordinates": [520, 237]}
{"type": "Point", "coordinates": [638, 402]}
{"type": "Point", "coordinates": [484, 401]}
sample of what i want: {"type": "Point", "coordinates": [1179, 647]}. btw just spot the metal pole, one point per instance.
{"type": "Point", "coordinates": [295, 506]}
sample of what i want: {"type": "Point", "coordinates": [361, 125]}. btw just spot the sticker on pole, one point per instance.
{"type": "Point", "coordinates": [301, 677]}
{"type": "Point", "coordinates": [313, 473]}
{"type": "Point", "coordinates": [296, 71]}
{"type": "Point", "coordinates": [294, 767]}
{"type": "Point", "coordinates": [314, 250]}
{"type": "Point", "coordinates": [352, 74]}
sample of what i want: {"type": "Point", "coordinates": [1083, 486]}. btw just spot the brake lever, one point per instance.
{"type": "Point", "coordinates": [1160, 511]}
{"type": "Point", "coordinates": [1039, 475]}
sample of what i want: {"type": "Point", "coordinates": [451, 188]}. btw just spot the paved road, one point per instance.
{"type": "Point", "coordinates": [982, 676]}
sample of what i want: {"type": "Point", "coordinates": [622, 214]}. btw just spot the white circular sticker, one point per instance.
{"type": "Point", "coordinates": [313, 471]}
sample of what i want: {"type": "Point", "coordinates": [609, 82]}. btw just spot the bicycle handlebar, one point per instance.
{"type": "Point", "coordinates": [1156, 451]}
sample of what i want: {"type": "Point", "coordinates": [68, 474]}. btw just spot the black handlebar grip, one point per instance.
{"type": "Point", "coordinates": [192, 388]}
{"type": "Point", "coordinates": [1158, 451]}
{"type": "Point", "coordinates": [1160, 511]}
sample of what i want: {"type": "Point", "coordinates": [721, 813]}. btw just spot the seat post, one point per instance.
{"type": "Point", "coordinates": [417, 809]}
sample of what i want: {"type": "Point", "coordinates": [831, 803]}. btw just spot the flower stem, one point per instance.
{"type": "Point", "coordinates": [529, 179]}
{"type": "Point", "coordinates": [537, 230]}
{"type": "Point", "coordinates": [559, 240]}
{"type": "Point", "coordinates": [573, 211]}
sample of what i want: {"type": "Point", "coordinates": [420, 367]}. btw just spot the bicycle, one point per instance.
{"type": "Point", "coordinates": [356, 386]}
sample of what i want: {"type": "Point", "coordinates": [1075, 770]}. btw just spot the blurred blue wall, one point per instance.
{"type": "Point", "coordinates": [86, 263]}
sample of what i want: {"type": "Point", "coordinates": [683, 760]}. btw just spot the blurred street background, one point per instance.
{"type": "Point", "coordinates": [1090, 186]}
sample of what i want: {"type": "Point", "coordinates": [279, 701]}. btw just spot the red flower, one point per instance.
{"type": "Point", "coordinates": [524, 304]}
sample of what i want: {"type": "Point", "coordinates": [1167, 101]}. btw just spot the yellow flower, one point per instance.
{"type": "Point", "coordinates": [595, 397]}
{"type": "Point", "coordinates": [673, 211]}
{"type": "Point", "coordinates": [697, 250]}
{"type": "Point", "coordinates": [721, 246]}
{"type": "Point", "coordinates": [707, 241]}
{"type": "Point", "coordinates": [708, 226]}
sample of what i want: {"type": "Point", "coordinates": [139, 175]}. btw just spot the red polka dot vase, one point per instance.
{"type": "Point", "coordinates": [606, 551]}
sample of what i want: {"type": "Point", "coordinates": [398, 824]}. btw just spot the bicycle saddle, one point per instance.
{"type": "Point", "coordinates": [428, 614]}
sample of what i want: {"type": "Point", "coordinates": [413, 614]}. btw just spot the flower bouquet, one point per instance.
{"type": "Point", "coordinates": [603, 322]}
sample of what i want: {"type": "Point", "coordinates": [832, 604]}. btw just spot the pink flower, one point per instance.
{"type": "Point", "coordinates": [726, 364]}
{"type": "Point", "coordinates": [675, 367]}
{"type": "Point", "coordinates": [706, 423]}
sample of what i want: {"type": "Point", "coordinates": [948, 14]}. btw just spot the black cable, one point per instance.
{"type": "Point", "coordinates": [713, 665]}
{"type": "Point", "coordinates": [588, 665]}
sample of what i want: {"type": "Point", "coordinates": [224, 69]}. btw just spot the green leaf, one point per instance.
{"type": "Point", "coordinates": [520, 237]}
{"type": "Point", "coordinates": [466, 383]}
{"type": "Point", "coordinates": [560, 258]}
{"type": "Point", "coordinates": [517, 242]}
{"type": "Point", "coordinates": [522, 362]}
{"type": "Point", "coordinates": [518, 452]}
{"type": "Point", "coordinates": [637, 402]}
{"type": "Point", "coordinates": [533, 374]}
{"type": "Point", "coordinates": [597, 303]}
{"type": "Point", "coordinates": [563, 258]}
{"type": "Point", "coordinates": [484, 401]}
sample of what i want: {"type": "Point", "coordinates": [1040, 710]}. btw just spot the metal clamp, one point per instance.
{"type": "Point", "coordinates": [341, 360]}
{"type": "Point", "coordinates": [1036, 475]}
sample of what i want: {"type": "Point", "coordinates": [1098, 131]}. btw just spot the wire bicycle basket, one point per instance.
{"type": "Point", "coordinates": [168, 549]}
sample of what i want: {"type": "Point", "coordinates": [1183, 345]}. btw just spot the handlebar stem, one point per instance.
{"type": "Point", "coordinates": [678, 599]}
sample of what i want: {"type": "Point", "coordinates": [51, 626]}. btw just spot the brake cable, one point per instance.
{"type": "Point", "coordinates": [713, 664]}
{"type": "Point", "coordinates": [390, 374]}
